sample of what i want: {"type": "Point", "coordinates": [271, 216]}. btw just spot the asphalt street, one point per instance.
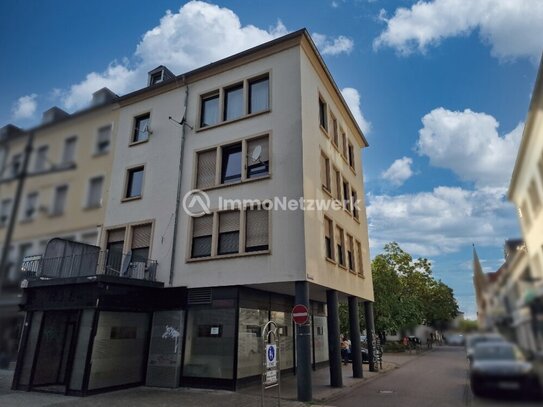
{"type": "Point", "coordinates": [436, 378]}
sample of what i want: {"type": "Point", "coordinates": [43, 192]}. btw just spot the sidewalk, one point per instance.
{"type": "Point", "coordinates": [249, 396]}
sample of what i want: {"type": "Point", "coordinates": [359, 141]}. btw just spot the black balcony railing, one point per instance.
{"type": "Point", "coordinates": [108, 262]}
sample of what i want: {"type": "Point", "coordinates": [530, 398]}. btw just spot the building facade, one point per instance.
{"type": "Point", "coordinates": [64, 183]}
{"type": "Point", "coordinates": [254, 137]}
{"type": "Point", "coordinates": [526, 192]}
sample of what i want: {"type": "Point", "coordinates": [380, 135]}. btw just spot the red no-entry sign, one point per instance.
{"type": "Point", "coordinates": [300, 314]}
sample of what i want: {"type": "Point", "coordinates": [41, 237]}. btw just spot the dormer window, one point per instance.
{"type": "Point", "coordinates": [156, 78]}
{"type": "Point", "coordinates": [159, 75]}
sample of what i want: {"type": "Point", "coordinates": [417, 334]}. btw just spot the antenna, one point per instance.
{"type": "Point", "coordinates": [182, 122]}
{"type": "Point", "coordinates": [257, 152]}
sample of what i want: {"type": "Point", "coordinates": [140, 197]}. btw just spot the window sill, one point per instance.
{"type": "Point", "coordinates": [225, 122]}
{"type": "Point", "coordinates": [100, 153]}
{"type": "Point", "coordinates": [329, 260]}
{"type": "Point", "coordinates": [132, 198]}
{"type": "Point", "coordinates": [324, 131]}
{"type": "Point", "coordinates": [55, 214]}
{"type": "Point", "coordinates": [327, 191]}
{"type": "Point", "coordinates": [357, 219]}
{"type": "Point", "coordinates": [245, 181]}
{"type": "Point", "coordinates": [228, 256]}
{"type": "Point", "coordinates": [341, 266]}
{"type": "Point", "coordinates": [137, 143]}
{"type": "Point", "coordinates": [25, 221]}
{"type": "Point", "coordinates": [352, 271]}
{"type": "Point", "coordinates": [352, 169]}
{"type": "Point", "coordinates": [360, 275]}
{"type": "Point", "coordinates": [92, 207]}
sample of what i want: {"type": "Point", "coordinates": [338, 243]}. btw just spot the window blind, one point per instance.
{"type": "Point", "coordinates": [115, 235]}
{"type": "Point", "coordinates": [207, 162]}
{"type": "Point", "coordinates": [141, 236]}
{"type": "Point", "coordinates": [257, 228]}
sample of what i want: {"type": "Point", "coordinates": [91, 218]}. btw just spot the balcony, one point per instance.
{"type": "Point", "coordinates": [80, 260]}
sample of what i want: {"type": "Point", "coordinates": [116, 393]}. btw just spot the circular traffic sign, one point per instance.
{"type": "Point", "coordinates": [300, 314]}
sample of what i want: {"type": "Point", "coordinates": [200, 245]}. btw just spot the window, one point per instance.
{"type": "Point", "coordinates": [259, 95]}
{"type": "Point", "coordinates": [334, 130]}
{"type": "Point", "coordinates": [354, 203]}
{"type": "Point", "coordinates": [346, 195]}
{"type": "Point", "coordinates": [229, 232]}
{"type": "Point", "coordinates": [325, 172]}
{"type": "Point", "coordinates": [141, 128]}
{"type": "Point", "coordinates": [337, 182]}
{"type": "Point", "coordinates": [260, 166]}
{"type": "Point", "coordinates": [350, 253]}
{"type": "Point", "coordinates": [141, 241]}
{"type": "Point", "coordinates": [340, 245]}
{"type": "Point", "coordinates": [156, 77]}
{"type": "Point", "coordinates": [5, 212]}
{"type": "Point", "coordinates": [202, 232]}
{"type": "Point", "coordinates": [59, 202]}
{"type": "Point", "coordinates": [231, 164]}
{"type": "Point", "coordinates": [134, 183]}
{"type": "Point", "coordinates": [344, 144]}
{"type": "Point", "coordinates": [360, 269]}
{"type": "Point", "coordinates": [233, 102]}
{"type": "Point", "coordinates": [30, 206]}
{"type": "Point", "coordinates": [323, 114]}
{"type": "Point", "coordinates": [115, 245]}
{"type": "Point", "coordinates": [209, 110]}
{"type": "Point", "coordinates": [207, 163]}
{"type": "Point", "coordinates": [256, 236]}
{"type": "Point", "coordinates": [535, 200]}
{"type": "Point", "coordinates": [329, 238]}
{"type": "Point", "coordinates": [103, 140]}
{"type": "Point", "coordinates": [68, 156]}
{"type": "Point", "coordinates": [351, 155]}
{"type": "Point", "coordinates": [16, 164]}
{"type": "Point", "coordinates": [94, 197]}
{"type": "Point", "coordinates": [41, 158]}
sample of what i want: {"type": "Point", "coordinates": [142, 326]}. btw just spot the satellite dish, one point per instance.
{"type": "Point", "coordinates": [257, 152]}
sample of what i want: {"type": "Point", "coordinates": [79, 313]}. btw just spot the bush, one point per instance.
{"type": "Point", "coordinates": [393, 347]}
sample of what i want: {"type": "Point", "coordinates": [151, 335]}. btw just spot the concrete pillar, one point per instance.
{"type": "Point", "coordinates": [370, 329]}
{"type": "Point", "coordinates": [334, 349]}
{"type": "Point", "coordinates": [354, 329]}
{"type": "Point", "coordinates": [303, 347]}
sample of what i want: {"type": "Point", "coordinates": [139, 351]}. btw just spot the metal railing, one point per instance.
{"type": "Point", "coordinates": [110, 263]}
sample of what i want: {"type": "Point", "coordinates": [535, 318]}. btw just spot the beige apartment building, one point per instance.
{"type": "Point", "coordinates": [169, 297]}
{"type": "Point", "coordinates": [526, 192]}
{"type": "Point", "coordinates": [66, 181]}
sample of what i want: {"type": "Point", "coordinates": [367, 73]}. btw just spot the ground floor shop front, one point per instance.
{"type": "Point", "coordinates": [80, 338]}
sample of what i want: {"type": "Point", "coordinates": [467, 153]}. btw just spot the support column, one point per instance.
{"type": "Point", "coordinates": [370, 329]}
{"type": "Point", "coordinates": [354, 329]}
{"type": "Point", "coordinates": [334, 349]}
{"type": "Point", "coordinates": [303, 347]}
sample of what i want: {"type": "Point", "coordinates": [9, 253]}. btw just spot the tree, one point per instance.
{"type": "Point", "coordinates": [406, 293]}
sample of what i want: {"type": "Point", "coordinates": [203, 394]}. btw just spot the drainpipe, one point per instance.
{"type": "Point", "coordinates": [15, 209]}
{"type": "Point", "coordinates": [180, 173]}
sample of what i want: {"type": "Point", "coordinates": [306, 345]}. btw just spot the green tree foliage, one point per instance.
{"type": "Point", "coordinates": [406, 293]}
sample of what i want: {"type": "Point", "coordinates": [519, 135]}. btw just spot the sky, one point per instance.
{"type": "Point", "coordinates": [440, 88]}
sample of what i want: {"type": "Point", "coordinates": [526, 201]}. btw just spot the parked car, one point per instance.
{"type": "Point", "coordinates": [456, 340]}
{"type": "Point", "coordinates": [501, 366]}
{"type": "Point", "coordinates": [474, 339]}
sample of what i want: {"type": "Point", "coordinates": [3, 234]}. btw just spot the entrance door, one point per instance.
{"type": "Point", "coordinates": [54, 351]}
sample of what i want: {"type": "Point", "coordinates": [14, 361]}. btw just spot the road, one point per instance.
{"type": "Point", "coordinates": [437, 378]}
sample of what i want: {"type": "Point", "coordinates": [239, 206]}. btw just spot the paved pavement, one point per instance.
{"type": "Point", "coordinates": [437, 378]}
{"type": "Point", "coordinates": [250, 396]}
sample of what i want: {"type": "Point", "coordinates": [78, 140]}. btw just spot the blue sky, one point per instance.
{"type": "Point", "coordinates": [442, 89]}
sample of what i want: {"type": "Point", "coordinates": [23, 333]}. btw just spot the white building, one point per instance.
{"type": "Point", "coordinates": [526, 192]}
{"type": "Point", "coordinates": [267, 123]}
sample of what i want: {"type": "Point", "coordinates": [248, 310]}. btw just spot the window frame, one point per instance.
{"type": "Point", "coordinates": [226, 91]}
{"type": "Point", "coordinates": [6, 207]}
{"type": "Point", "coordinates": [88, 204]}
{"type": "Point", "coordinates": [135, 128]}
{"type": "Point", "coordinates": [97, 150]}
{"type": "Point", "coordinates": [128, 172]}
{"type": "Point", "coordinates": [341, 260]}
{"type": "Point", "coordinates": [24, 215]}
{"type": "Point", "coordinates": [329, 247]}
{"type": "Point", "coordinates": [323, 114]}
{"type": "Point", "coordinates": [255, 80]}
{"type": "Point", "coordinates": [68, 140]}
{"type": "Point", "coordinates": [53, 212]}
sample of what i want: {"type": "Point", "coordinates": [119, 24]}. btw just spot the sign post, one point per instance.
{"type": "Point", "coordinates": [271, 371]}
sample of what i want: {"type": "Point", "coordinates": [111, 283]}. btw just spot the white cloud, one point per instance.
{"type": "Point", "coordinates": [25, 107]}
{"type": "Point", "coordinates": [468, 143]}
{"type": "Point", "coordinates": [333, 46]}
{"type": "Point", "coordinates": [399, 171]}
{"type": "Point", "coordinates": [198, 34]}
{"type": "Point", "coordinates": [441, 221]}
{"type": "Point", "coordinates": [352, 97]}
{"type": "Point", "coordinates": [512, 28]}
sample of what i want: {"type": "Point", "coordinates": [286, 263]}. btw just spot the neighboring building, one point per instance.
{"type": "Point", "coordinates": [268, 122]}
{"type": "Point", "coordinates": [65, 182]}
{"type": "Point", "coordinates": [480, 283]}
{"type": "Point", "coordinates": [526, 192]}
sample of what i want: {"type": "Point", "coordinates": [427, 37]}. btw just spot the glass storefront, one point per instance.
{"type": "Point", "coordinates": [209, 345]}
{"type": "Point", "coordinates": [286, 333]}
{"type": "Point", "coordinates": [321, 339]}
{"type": "Point", "coordinates": [250, 343]}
